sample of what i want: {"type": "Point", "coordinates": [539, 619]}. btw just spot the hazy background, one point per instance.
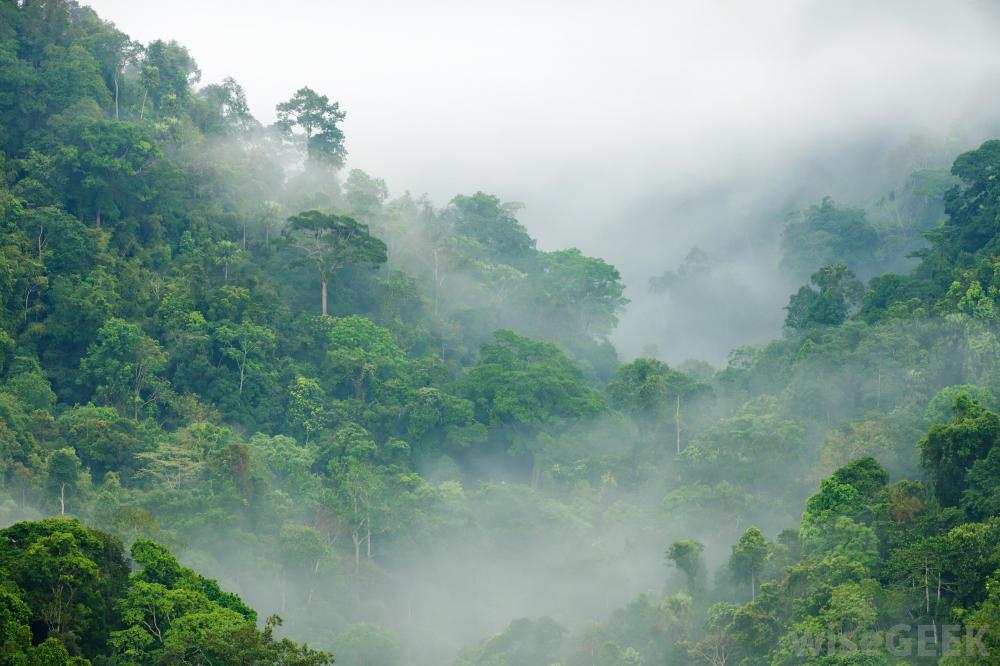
{"type": "Point", "coordinates": [631, 130]}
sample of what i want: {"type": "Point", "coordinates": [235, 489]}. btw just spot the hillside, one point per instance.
{"type": "Point", "coordinates": [404, 429]}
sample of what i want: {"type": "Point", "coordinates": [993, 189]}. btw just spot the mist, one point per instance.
{"type": "Point", "coordinates": [480, 430]}
{"type": "Point", "coordinates": [633, 133]}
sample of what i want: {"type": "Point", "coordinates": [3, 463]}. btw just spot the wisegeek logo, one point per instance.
{"type": "Point", "coordinates": [900, 640]}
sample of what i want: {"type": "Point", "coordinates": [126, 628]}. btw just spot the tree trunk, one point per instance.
{"type": "Point", "coordinates": [536, 472]}
{"type": "Point", "coordinates": [878, 390]}
{"type": "Point", "coordinates": [927, 591]}
{"type": "Point", "coordinates": [116, 96]}
{"type": "Point", "coordinates": [753, 585]}
{"type": "Point", "coordinates": [324, 296]}
{"type": "Point", "coordinates": [97, 219]}
{"type": "Point", "coordinates": [243, 374]}
{"type": "Point", "coordinates": [357, 553]}
{"type": "Point", "coordinates": [62, 499]}
{"type": "Point", "coordinates": [677, 423]}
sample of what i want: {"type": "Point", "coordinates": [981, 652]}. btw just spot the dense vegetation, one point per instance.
{"type": "Point", "coordinates": [373, 416]}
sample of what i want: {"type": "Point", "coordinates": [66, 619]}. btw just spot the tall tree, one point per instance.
{"type": "Point", "coordinates": [330, 242]}
{"type": "Point", "coordinates": [748, 557]}
{"type": "Point", "coordinates": [63, 472]}
{"type": "Point", "coordinates": [318, 119]}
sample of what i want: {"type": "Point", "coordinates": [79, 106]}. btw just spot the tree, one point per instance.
{"type": "Point", "coordinates": [686, 556]}
{"type": "Point", "coordinates": [826, 234]}
{"type": "Point", "coordinates": [69, 577]}
{"type": "Point", "coordinates": [367, 644]}
{"type": "Point", "coordinates": [360, 352]}
{"type": "Point", "coordinates": [318, 119]}
{"type": "Point", "coordinates": [836, 296]}
{"type": "Point", "coordinates": [364, 194]}
{"type": "Point", "coordinates": [357, 491]}
{"type": "Point", "coordinates": [63, 472]}
{"type": "Point", "coordinates": [748, 557]}
{"type": "Point", "coordinates": [307, 406]}
{"type": "Point", "coordinates": [245, 344]}
{"type": "Point", "coordinates": [330, 242]}
{"type": "Point", "coordinates": [105, 440]}
{"type": "Point", "coordinates": [107, 166]}
{"type": "Point", "coordinates": [866, 475]}
{"type": "Point", "coordinates": [972, 207]}
{"type": "Point", "coordinates": [267, 214]}
{"type": "Point", "coordinates": [167, 74]}
{"type": "Point", "coordinates": [492, 225]}
{"type": "Point", "coordinates": [123, 366]}
{"type": "Point", "coordinates": [652, 393]}
{"type": "Point", "coordinates": [950, 450]}
{"type": "Point", "coordinates": [575, 295]}
{"type": "Point", "coordinates": [229, 112]}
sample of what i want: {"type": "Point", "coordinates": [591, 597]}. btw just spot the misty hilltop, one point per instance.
{"type": "Point", "coordinates": [257, 408]}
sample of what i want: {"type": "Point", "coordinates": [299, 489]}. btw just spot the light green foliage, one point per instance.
{"type": "Point", "coordinates": [360, 353]}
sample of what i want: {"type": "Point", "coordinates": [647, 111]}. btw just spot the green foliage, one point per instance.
{"type": "Point", "coordinates": [123, 366]}
{"type": "Point", "coordinates": [318, 119]}
{"type": "Point", "coordinates": [836, 295]}
{"type": "Point", "coordinates": [163, 376]}
{"type": "Point", "coordinates": [828, 234]}
{"type": "Point", "coordinates": [525, 641]}
{"type": "Point", "coordinates": [686, 556]}
{"type": "Point", "coordinates": [483, 219]}
{"type": "Point", "coordinates": [949, 450]}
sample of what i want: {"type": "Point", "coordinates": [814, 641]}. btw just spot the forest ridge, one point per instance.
{"type": "Point", "coordinates": [234, 375]}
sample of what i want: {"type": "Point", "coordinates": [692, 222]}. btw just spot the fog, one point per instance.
{"type": "Point", "coordinates": [633, 132]}
{"type": "Point", "coordinates": [636, 133]}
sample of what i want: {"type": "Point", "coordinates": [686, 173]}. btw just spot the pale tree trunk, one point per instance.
{"type": "Point", "coordinates": [356, 536]}
{"type": "Point", "coordinates": [878, 390]}
{"type": "Point", "coordinates": [324, 296]}
{"type": "Point", "coordinates": [536, 472]}
{"type": "Point", "coordinates": [116, 96]}
{"type": "Point", "coordinates": [312, 583]}
{"type": "Point", "coordinates": [677, 423]}
{"type": "Point", "coordinates": [62, 499]}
